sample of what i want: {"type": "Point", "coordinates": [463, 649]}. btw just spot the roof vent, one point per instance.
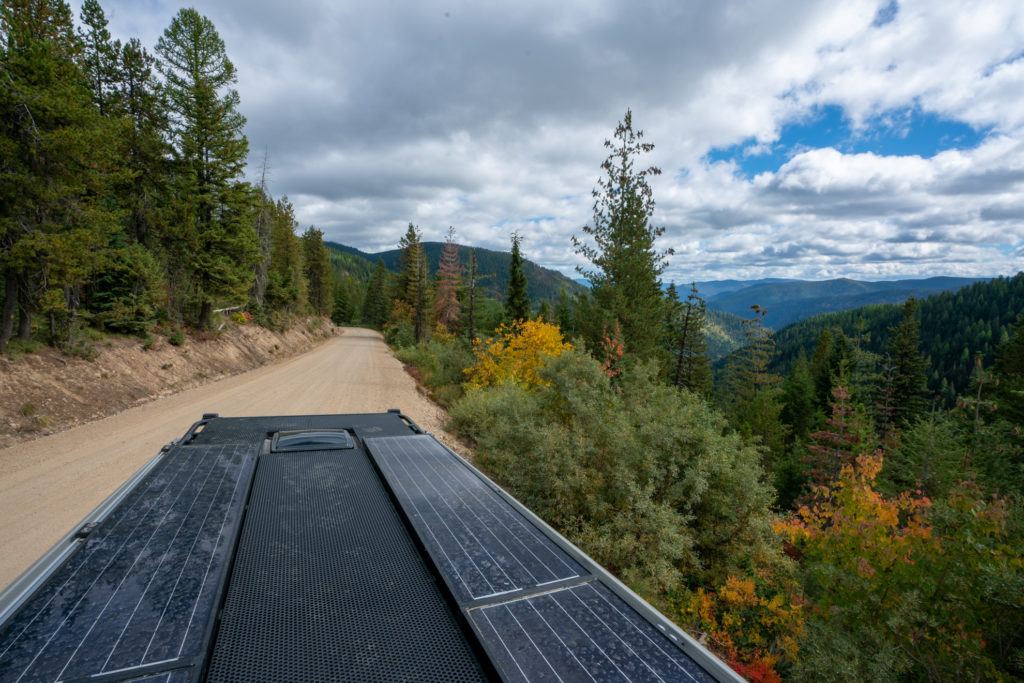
{"type": "Point", "coordinates": [312, 440]}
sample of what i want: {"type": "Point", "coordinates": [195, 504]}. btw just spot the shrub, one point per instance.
{"type": "Point", "coordinates": [516, 354]}
{"type": "Point", "coordinates": [177, 338]}
{"type": "Point", "coordinates": [643, 476]}
{"type": "Point", "coordinates": [441, 363]}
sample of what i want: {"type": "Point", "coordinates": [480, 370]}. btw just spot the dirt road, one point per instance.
{"type": "Point", "coordinates": [48, 485]}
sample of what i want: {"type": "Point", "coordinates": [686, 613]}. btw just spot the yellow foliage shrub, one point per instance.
{"type": "Point", "coordinates": [516, 354]}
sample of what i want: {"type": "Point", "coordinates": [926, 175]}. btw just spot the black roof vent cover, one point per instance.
{"type": "Point", "coordinates": [312, 440]}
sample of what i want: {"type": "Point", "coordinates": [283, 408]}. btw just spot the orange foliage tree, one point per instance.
{"type": "Point", "coordinates": [516, 354]}
{"type": "Point", "coordinates": [756, 627]}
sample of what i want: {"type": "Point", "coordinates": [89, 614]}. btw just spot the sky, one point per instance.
{"type": "Point", "coordinates": [814, 140]}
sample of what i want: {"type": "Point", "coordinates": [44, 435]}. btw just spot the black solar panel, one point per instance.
{"type": "Point", "coordinates": [483, 546]}
{"type": "Point", "coordinates": [540, 613]}
{"type": "Point", "coordinates": [584, 632]}
{"type": "Point", "coordinates": [141, 589]}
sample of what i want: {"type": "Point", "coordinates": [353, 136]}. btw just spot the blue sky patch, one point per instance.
{"type": "Point", "coordinates": [900, 132]}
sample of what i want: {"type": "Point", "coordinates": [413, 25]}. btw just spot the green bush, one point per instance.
{"type": "Point", "coordinates": [642, 476]}
{"type": "Point", "coordinates": [441, 364]}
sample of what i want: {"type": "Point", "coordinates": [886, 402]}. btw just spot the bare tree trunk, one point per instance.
{"type": "Point", "coordinates": [10, 305]}
{"type": "Point", "coordinates": [24, 314]}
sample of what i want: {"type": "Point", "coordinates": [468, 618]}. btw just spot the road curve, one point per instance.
{"type": "Point", "coordinates": [48, 485]}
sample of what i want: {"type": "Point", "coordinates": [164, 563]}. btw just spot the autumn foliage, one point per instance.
{"type": "Point", "coordinates": [516, 354]}
{"type": "Point", "coordinates": [754, 627]}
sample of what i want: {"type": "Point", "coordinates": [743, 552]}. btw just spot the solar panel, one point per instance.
{"type": "Point", "coordinates": [583, 632]}
{"type": "Point", "coordinates": [538, 611]}
{"type": "Point", "coordinates": [483, 546]}
{"type": "Point", "coordinates": [137, 596]}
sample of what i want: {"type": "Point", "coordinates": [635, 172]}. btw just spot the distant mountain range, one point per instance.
{"type": "Point", "coordinates": [790, 301]}
{"type": "Point", "coordinates": [492, 267]}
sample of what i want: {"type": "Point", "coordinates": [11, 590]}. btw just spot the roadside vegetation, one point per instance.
{"type": "Point", "coordinates": [837, 522]}
{"type": "Point", "coordinates": [123, 208]}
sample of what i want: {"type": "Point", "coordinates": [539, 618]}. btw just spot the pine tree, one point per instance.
{"type": "Point", "coordinates": [319, 280]}
{"type": "Point", "coordinates": [1009, 371]}
{"type": "Point", "coordinates": [469, 315]}
{"type": "Point", "coordinates": [408, 270]}
{"type": "Point", "coordinates": [564, 313]}
{"type": "Point", "coordinates": [57, 166]}
{"type": "Point", "coordinates": [218, 247]}
{"type": "Point", "coordinates": [755, 397]}
{"type": "Point", "coordinates": [625, 279]}
{"type": "Point", "coordinates": [376, 303]}
{"type": "Point", "coordinates": [848, 433]}
{"type": "Point", "coordinates": [449, 280]}
{"type": "Point", "coordinates": [517, 302]}
{"type": "Point", "coordinates": [286, 280]}
{"type": "Point", "coordinates": [100, 55]}
{"type": "Point", "coordinates": [145, 192]}
{"type": "Point", "coordinates": [692, 368]}
{"type": "Point", "coordinates": [421, 308]}
{"type": "Point", "coordinates": [907, 384]}
{"type": "Point", "coordinates": [799, 404]}
{"type": "Point", "coordinates": [342, 312]}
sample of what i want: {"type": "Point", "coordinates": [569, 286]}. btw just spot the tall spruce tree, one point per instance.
{"type": "Point", "coordinates": [517, 301]}
{"type": "Point", "coordinates": [627, 267]}
{"type": "Point", "coordinates": [319, 276]}
{"type": "Point", "coordinates": [421, 308]}
{"type": "Point", "coordinates": [100, 56]}
{"type": "Point", "coordinates": [469, 314]}
{"type": "Point", "coordinates": [411, 245]}
{"type": "Point", "coordinates": [376, 303]}
{"type": "Point", "coordinates": [218, 242]}
{"type": "Point", "coordinates": [907, 383]}
{"type": "Point", "coordinates": [449, 281]}
{"type": "Point", "coordinates": [692, 369]}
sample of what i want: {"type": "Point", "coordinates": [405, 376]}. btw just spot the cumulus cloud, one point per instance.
{"type": "Point", "coordinates": [489, 117]}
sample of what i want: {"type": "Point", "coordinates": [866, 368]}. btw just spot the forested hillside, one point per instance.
{"type": "Point", "coordinates": [124, 205]}
{"type": "Point", "coordinates": [492, 267]}
{"type": "Point", "coordinates": [789, 301]}
{"type": "Point", "coordinates": [956, 329]}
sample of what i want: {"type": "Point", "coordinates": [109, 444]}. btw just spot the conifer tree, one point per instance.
{"type": "Point", "coordinates": [145, 193]}
{"type": "Point", "coordinates": [627, 267]}
{"type": "Point", "coordinates": [517, 302]}
{"type": "Point", "coordinates": [377, 302]}
{"type": "Point", "coordinates": [56, 166]}
{"type": "Point", "coordinates": [907, 384]}
{"type": "Point", "coordinates": [755, 397]}
{"type": "Point", "coordinates": [408, 270]}
{"type": "Point", "coordinates": [319, 283]}
{"type": "Point", "coordinates": [798, 398]}
{"type": "Point", "coordinates": [100, 55]}
{"type": "Point", "coordinates": [342, 312]}
{"type": "Point", "coordinates": [449, 280]}
{"type": "Point", "coordinates": [286, 280]}
{"type": "Point", "coordinates": [217, 240]}
{"type": "Point", "coordinates": [469, 314]}
{"type": "Point", "coordinates": [1009, 371]}
{"type": "Point", "coordinates": [421, 308]}
{"type": "Point", "coordinates": [692, 369]}
{"type": "Point", "coordinates": [564, 314]}
{"type": "Point", "coordinates": [848, 433]}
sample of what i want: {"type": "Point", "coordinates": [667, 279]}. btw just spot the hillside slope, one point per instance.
{"type": "Point", "coordinates": [790, 301]}
{"type": "Point", "coordinates": [955, 327]}
{"type": "Point", "coordinates": [543, 283]}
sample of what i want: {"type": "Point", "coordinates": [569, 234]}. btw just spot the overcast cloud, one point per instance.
{"type": "Point", "coordinates": [490, 117]}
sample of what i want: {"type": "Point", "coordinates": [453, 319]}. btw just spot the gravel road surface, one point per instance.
{"type": "Point", "coordinates": [48, 485]}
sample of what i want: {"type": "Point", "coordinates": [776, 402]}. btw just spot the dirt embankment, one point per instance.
{"type": "Point", "coordinates": [46, 392]}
